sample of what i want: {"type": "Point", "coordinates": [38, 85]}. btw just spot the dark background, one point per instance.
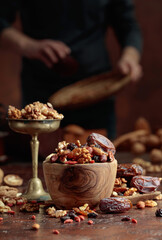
{"type": "Point", "coordinates": [141, 99]}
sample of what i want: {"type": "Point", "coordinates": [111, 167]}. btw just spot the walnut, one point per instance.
{"type": "Point", "coordinates": [150, 203]}
{"type": "Point", "coordinates": [30, 207]}
{"type": "Point", "coordinates": [4, 208]}
{"type": "Point", "coordinates": [14, 113]}
{"type": "Point", "coordinates": [52, 212]}
{"type": "Point", "coordinates": [130, 191]}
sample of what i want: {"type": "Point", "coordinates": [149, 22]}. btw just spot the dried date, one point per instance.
{"type": "Point", "coordinates": [100, 141]}
{"type": "Point", "coordinates": [129, 170]}
{"type": "Point", "coordinates": [145, 184]}
{"type": "Point", "coordinates": [115, 205]}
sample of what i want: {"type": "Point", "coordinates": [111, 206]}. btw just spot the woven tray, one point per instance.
{"type": "Point", "coordinates": [89, 91]}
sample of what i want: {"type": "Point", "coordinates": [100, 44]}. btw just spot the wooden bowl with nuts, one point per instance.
{"type": "Point", "coordinates": [71, 183]}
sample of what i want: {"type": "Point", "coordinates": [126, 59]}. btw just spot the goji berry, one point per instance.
{"type": "Point", "coordinates": [33, 217]}
{"type": "Point", "coordinates": [81, 217]}
{"type": "Point", "coordinates": [10, 204]}
{"type": "Point", "coordinates": [68, 221]}
{"type": "Point", "coordinates": [55, 231]}
{"type": "Point", "coordinates": [92, 161]}
{"type": "Point", "coordinates": [77, 219]}
{"type": "Point", "coordinates": [1, 219]}
{"type": "Point", "coordinates": [134, 220]}
{"type": "Point", "coordinates": [90, 222]}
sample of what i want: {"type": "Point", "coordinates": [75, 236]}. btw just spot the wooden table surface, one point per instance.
{"type": "Point", "coordinates": [106, 226]}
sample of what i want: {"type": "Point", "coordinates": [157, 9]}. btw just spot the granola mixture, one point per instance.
{"type": "Point", "coordinates": [36, 110]}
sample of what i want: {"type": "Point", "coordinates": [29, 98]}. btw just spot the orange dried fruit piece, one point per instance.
{"type": "Point", "coordinates": [13, 180]}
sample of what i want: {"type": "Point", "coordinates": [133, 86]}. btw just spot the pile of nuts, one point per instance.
{"type": "Point", "coordinates": [36, 110]}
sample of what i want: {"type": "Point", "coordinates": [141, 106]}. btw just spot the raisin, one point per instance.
{"type": "Point", "coordinates": [96, 158]}
{"type": "Point", "coordinates": [72, 214]}
{"type": "Point", "coordinates": [158, 213]}
{"type": "Point", "coordinates": [115, 205]}
{"type": "Point", "coordinates": [145, 184]}
{"type": "Point", "coordinates": [71, 146]}
{"type": "Point", "coordinates": [126, 218]}
{"type": "Point", "coordinates": [92, 215]}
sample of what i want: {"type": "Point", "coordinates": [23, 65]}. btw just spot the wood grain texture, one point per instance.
{"type": "Point", "coordinates": [143, 197]}
{"type": "Point", "coordinates": [74, 185]}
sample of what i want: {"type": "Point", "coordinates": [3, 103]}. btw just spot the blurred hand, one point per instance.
{"type": "Point", "coordinates": [48, 51]}
{"type": "Point", "coordinates": [129, 63]}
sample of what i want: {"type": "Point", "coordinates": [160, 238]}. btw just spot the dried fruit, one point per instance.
{"type": "Point", "coordinates": [33, 217]}
{"type": "Point", "coordinates": [64, 218]}
{"type": "Point", "coordinates": [68, 221]}
{"type": "Point", "coordinates": [90, 222]}
{"type": "Point", "coordinates": [103, 142]}
{"type": "Point", "coordinates": [81, 217]}
{"type": "Point", "coordinates": [115, 205]}
{"type": "Point", "coordinates": [134, 220]}
{"type": "Point", "coordinates": [35, 226]}
{"type": "Point", "coordinates": [129, 170]}
{"type": "Point", "coordinates": [92, 215]}
{"type": "Point", "coordinates": [13, 180]}
{"type": "Point", "coordinates": [77, 219]}
{"type": "Point", "coordinates": [145, 184]}
{"type": "Point", "coordinates": [126, 218]}
{"type": "Point", "coordinates": [158, 212]}
{"type": "Point", "coordinates": [55, 231]}
{"type": "Point", "coordinates": [140, 205]}
{"type": "Point", "coordinates": [150, 203]}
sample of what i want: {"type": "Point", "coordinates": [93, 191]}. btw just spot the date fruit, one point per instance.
{"type": "Point", "coordinates": [129, 170]}
{"type": "Point", "coordinates": [145, 184]}
{"type": "Point", "coordinates": [115, 205]}
{"type": "Point", "coordinates": [104, 143]}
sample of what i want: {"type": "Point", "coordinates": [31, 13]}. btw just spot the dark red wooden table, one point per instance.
{"type": "Point", "coordinates": [106, 226]}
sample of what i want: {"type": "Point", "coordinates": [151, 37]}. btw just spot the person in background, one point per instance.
{"type": "Point", "coordinates": [53, 31]}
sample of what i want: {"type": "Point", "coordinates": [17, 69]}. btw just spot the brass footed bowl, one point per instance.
{"type": "Point", "coordinates": [74, 185]}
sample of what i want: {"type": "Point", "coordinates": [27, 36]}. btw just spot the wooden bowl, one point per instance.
{"type": "Point", "coordinates": [74, 185]}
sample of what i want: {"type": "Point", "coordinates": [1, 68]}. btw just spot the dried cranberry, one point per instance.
{"type": "Point", "coordinates": [71, 146]}
{"type": "Point", "coordinates": [158, 213]}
